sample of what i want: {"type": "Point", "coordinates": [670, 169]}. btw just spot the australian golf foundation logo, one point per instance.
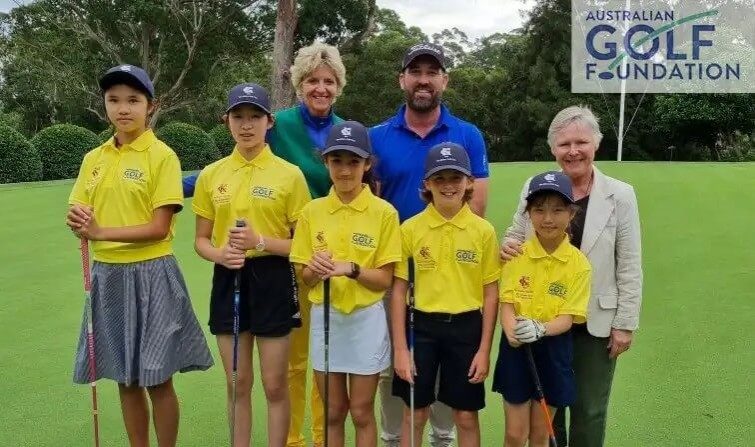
{"type": "Point", "coordinates": [663, 46]}
{"type": "Point", "coordinates": [320, 242]}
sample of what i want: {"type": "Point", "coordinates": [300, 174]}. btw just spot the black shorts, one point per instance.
{"type": "Point", "coordinates": [553, 360]}
{"type": "Point", "coordinates": [268, 301]}
{"type": "Point", "coordinates": [449, 345]}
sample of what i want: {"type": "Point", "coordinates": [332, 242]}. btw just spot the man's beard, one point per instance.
{"type": "Point", "coordinates": [422, 105]}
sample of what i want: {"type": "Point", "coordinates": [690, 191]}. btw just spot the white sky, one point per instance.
{"type": "Point", "coordinates": [477, 18]}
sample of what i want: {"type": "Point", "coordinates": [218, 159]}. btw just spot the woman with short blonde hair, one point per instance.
{"type": "Point", "coordinates": [299, 136]}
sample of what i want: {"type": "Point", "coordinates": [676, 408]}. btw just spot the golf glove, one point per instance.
{"type": "Point", "coordinates": [528, 331]}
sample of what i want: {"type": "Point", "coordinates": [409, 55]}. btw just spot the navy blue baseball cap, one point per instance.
{"type": "Point", "coordinates": [424, 49]}
{"type": "Point", "coordinates": [447, 156]}
{"type": "Point", "coordinates": [349, 136]}
{"type": "Point", "coordinates": [554, 181]}
{"type": "Point", "coordinates": [248, 93]}
{"type": "Point", "coordinates": [130, 75]}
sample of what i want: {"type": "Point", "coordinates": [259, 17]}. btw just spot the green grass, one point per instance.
{"type": "Point", "coordinates": [687, 380]}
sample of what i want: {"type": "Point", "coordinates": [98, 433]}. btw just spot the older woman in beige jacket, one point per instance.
{"type": "Point", "coordinates": [608, 232]}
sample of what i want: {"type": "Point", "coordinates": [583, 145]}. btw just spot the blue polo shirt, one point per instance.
{"type": "Point", "coordinates": [401, 156]}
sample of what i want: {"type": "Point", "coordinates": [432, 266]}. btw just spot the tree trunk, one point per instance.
{"type": "Point", "coordinates": [283, 55]}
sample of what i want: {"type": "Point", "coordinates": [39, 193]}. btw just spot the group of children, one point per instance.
{"type": "Point", "coordinates": [256, 222]}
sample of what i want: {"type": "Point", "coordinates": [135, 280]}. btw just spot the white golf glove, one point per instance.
{"type": "Point", "coordinates": [528, 330]}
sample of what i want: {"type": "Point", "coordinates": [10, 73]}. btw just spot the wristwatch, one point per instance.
{"type": "Point", "coordinates": [355, 271]}
{"type": "Point", "coordinates": [261, 244]}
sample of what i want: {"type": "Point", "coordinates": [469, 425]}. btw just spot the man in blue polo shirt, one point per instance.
{"type": "Point", "coordinates": [401, 144]}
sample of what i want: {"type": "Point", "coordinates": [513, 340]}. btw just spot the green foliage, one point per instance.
{"type": "Point", "coordinates": [223, 139]}
{"type": "Point", "coordinates": [19, 160]}
{"type": "Point", "coordinates": [194, 147]}
{"type": "Point", "coordinates": [12, 120]}
{"type": "Point", "coordinates": [105, 134]}
{"type": "Point", "coordinates": [62, 148]}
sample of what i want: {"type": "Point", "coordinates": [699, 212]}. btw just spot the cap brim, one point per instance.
{"type": "Point", "coordinates": [447, 167]}
{"type": "Point", "coordinates": [546, 188]}
{"type": "Point", "coordinates": [345, 147]}
{"type": "Point", "coordinates": [248, 103]}
{"type": "Point", "coordinates": [124, 77]}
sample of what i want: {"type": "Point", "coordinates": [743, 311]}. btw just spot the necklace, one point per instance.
{"type": "Point", "coordinates": [589, 184]}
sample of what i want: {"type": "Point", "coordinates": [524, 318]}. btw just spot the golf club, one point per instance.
{"type": "Point", "coordinates": [411, 349]}
{"type": "Point", "coordinates": [236, 292]}
{"type": "Point", "coordinates": [326, 327]}
{"type": "Point", "coordinates": [90, 334]}
{"type": "Point", "coordinates": [541, 397]}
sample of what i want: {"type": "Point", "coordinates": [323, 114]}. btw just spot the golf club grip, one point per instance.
{"type": "Point", "coordinates": [85, 264]}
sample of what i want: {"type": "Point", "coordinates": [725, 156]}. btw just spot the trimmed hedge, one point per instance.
{"type": "Point", "coordinates": [194, 146]}
{"type": "Point", "coordinates": [62, 148]}
{"type": "Point", "coordinates": [105, 135]}
{"type": "Point", "coordinates": [19, 159]}
{"type": "Point", "coordinates": [223, 139]}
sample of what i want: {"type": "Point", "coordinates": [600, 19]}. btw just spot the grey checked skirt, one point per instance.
{"type": "Point", "coordinates": [145, 329]}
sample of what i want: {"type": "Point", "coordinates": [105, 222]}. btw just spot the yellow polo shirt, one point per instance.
{"type": "Point", "coordinates": [365, 231]}
{"type": "Point", "coordinates": [453, 259]}
{"type": "Point", "coordinates": [267, 191]}
{"type": "Point", "coordinates": [543, 286]}
{"type": "Point", "coordinates": [124, 186]}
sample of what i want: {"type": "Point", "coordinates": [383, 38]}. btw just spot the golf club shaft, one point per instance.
{"type": "Point", "coordinates": [90, 335]}
{"type": "Point", "coordinates": [541, 396]}
{"type": "Point", "coordinates": [326, 328]}
{"type": "Point", "coordinates": [235, 373]}
{"type": "Point", "coordinates": [411, 349]}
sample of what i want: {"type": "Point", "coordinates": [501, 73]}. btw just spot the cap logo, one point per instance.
{"type": "Point", "coordinates": [446, 152]}
{"type": "Point", "coordinates": [346, 131]}
{"type": "Point", "coordinates": [549, 177]}
{"type": "Point", "coordinates": [423, 46]}
{"type": "Point", "coordinates": [125, 67]}
{"type": "Point", "coordinates": [248, 90]}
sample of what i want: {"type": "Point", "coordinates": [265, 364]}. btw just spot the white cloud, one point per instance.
{"type": "Point", "coordinates": [476, 18]}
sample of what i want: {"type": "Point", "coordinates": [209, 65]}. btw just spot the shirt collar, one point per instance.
{"type": "Point", "coordinates": [262, 160]}
{"type": "Point", "coordinates": [315, 122]}
{"type": "Point", "coordinates": [359, 203]}
{"type": "Point", "coordinates": [561, 253]}
{"type": "Point", "coordinates": [141, 144]}
{"type": "Point", "coordinates": [460, 220]}
{"type": "Point", "coordinates": [399, 120]}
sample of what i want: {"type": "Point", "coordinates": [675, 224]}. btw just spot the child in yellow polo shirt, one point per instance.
{"type": "Point", "coordinates": [267, 193]}
{"type": "Point", "coordinates": [350, 237]}
{"type": "Point", "coordinates": [543, 292]}
{"type": "Point", "coordinates": [456, 269]}
{"type": "Point", "coordinates": [124, 200]}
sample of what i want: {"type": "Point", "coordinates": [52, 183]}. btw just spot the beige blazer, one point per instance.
{"type": "Point", "coordinates": [611, 242]}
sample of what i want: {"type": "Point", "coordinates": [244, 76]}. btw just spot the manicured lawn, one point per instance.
{"type": "Point", "coordinates": [687, 380]}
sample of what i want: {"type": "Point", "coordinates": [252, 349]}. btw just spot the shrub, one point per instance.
{"type": "Point", "coordinates": [105, 135]}
{"type": "Point", "coordinates": [62, 148]}
{"type": "Point", "coordinates": [223, 139]}
{"type": "Point", "coordinates": [195, 148]}
{"type": "Point", "coordinates": [19, 160]}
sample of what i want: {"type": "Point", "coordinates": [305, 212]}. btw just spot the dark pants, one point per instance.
{"type": "Point", "coordinates": [593, 371]}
